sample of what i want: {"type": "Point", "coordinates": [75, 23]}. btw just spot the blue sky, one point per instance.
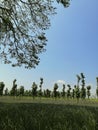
{"type": "Point", "coordinates": [72, 48]}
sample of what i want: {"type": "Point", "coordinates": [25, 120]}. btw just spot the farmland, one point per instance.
{"type": "Point", "coordinates": [44, 100]}
{"type": "Point", "coordinates": [26, 113]}
{"type": "Point", "coordinates": [38, 109]}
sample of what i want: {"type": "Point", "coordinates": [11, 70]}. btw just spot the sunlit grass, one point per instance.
{"type": "Point", "coordinates": [24, 99]}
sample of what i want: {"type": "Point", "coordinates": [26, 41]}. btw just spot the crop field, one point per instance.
{"type": "Point", "coordinates": [26, 113]}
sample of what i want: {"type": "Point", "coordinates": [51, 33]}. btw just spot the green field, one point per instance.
{"type": "Point", "coordinates": [47, 114]}
{"type": "Point", "coordinates": [64, 101]}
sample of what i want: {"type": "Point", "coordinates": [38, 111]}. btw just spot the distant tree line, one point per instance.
{"type": "Point", "coordinates": [78, 91]}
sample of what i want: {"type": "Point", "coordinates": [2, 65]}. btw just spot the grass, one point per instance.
{"type": "Point", "coordinates": [87, 102]}
{"type": "Point", "coordinates": [47, 114]}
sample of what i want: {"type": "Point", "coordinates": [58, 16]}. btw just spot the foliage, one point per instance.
{"type": "Point", "coordinates": [55, 90]}
{"type": "Point", "coordinates": [6, 92]}
{"type": "Point", "coordinates": [78, 80]}
{"type": "Point", "coordinates": [81, 93]}
{"type": "Point", "coordinates": [22, 30]}
{"type": "Point", "coordinates": [63, 91]}
{"type": "Point", "coordinates": [68, 91]}
{"type": "Point", "coordinates": [1, 88]}
{"type": "Point", "coordinates": [97, 91]}
{"type": "Point", "coordinates": [76, 92]}
{"type": "Point", "coordinates": [14, 88]}
{"type": "Point", "coordinates": [34, 89]}
{"type": "Point", "coordinates": [97, 86]}
{"type": "Point", "coordinates": [97, 80]}
{"type": "Point", "coordinates": [83, 90]}
{"type": "Point", "coordinates": [73, 93]}
{"type": "Point", "coordinates": [88, 91]}
{"type": "Point", "coordinates": [47, 93]}
{"type": "Point", "coordinates": [21, 90]}
{"type": "Point", "coordinates": [40, 86]}
{"type": "Point", "coordinates": [27, 93]}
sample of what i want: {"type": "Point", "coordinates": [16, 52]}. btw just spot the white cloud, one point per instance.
{"type": "Point", "coordinates": [60, 81]}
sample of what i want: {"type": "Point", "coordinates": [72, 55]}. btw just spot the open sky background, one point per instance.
{"type": "Point", "coordinates": [72, 48]}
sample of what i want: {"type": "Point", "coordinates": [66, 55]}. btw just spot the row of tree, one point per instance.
{"type": "Point", "coordinates": [78, 91]}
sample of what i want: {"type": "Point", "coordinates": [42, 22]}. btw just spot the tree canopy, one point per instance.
{"type": "Point", "coordinates": [22, 30]}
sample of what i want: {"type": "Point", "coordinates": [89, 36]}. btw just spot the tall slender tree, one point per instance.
{"type": "Point", "coordinates": [68, 91]}
{"type": "Point", "coordinates": [97, 92]}
{"type": "Point", "coordinates": [63, 91]}
{"type": "Point", "coordinates": [21, 90]}
{"type": "Point", "coordinates": [78, 80]}
{"type": "Point", "coordinates": [77, 91]}
{"type": "Point", "coordinates": [75, 86]}
{"type": "Point", "coordinates": [6, 92]}
{"type": "Point", "coordinates": [97, 87]}
{"type": "Point", "coordinates": [73, 93]}
{"type": "Point", "coordinates": [88, 91]}
{"type": "Point", "coordinates": [83, 89]}
{"type": "Point", "coordinates": [1, 88]}
{"type": "Point", "coordinates": [78, 87]}
{"type": "Point", "coordinates": [55, 90]}
{"type": "Point", "coordinates": [40, 86]}
{"type": "Point", "coordinates": [47, 93]}
{"type": "Point", "coordinates": [14, 88]}
{"type": "Point", "coordinates": [34, 90]}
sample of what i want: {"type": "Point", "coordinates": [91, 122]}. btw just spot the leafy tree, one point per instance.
{"type": "Point", "coordinates": [75, 90]}
{"type": "Point", "coordinates": [68, 91]}
{"type": "Point", "coordinates": [81, 93]}
{"type": "Point", "coordinates": [14, 88]}
{"type": "Point", "coordinates": [78, 80]}
{"type": "Point", "coordinates": [26, 93]}
{"type": "Point", "coordinates": [47, 93]}
{"type": "Point", "coordinates": [83, 90]}
{"type": "Point", "coordinates": [63, 91]}
{"type": "Point", "coordinates": [88, 91]}
{"type": "Point", "coordinates": [82, 76]}
{"type": "Point", "coordinates": [97, 86]}
{"type": "Point", "coordinates": [34, 89]}
{"type": "Point", "coordinates": [77, 93]}
{"type": "Point", "coordinates": [73, 93]}
{"type": "Point", "coordinates": [6, 92]}
{"type": "Point", "coordinates": [55, 90]}
{"type": "Point", "coordinates": [18, 92]}
{"type": "Point", "coordinates": [1, 88]}
{"type": "Point", "coordinates": [40, 86]}
{"type": "Point", "coordinates": [21, 90]}
{"type": "Point", "coordinates": [97, 92]}
{"type": "Point", "coordinates": [22, 30]}
{"type": "Point", "coordinates": [97, 80]}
